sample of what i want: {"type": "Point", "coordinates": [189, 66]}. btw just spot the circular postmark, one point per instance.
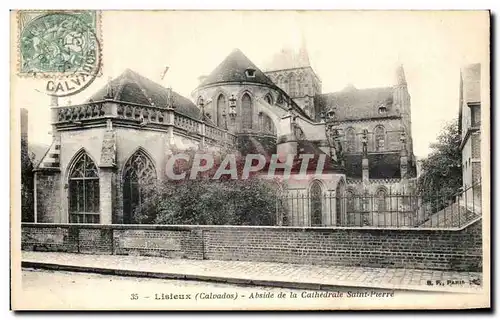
{"type": "Point", "coordinates": [65, 48]}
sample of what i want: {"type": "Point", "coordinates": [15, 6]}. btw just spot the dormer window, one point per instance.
{"type": "Point", "coordinates": [250, 73]}
{"type": "Point", "coordinates": [382, 109]}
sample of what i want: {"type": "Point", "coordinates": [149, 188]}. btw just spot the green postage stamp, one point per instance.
{"type": "Point", "coordinates": [58, 43]}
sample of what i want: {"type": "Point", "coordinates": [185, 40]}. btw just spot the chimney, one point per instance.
{"type": "Point", "coordinates": [400, 76]}
{"type": "Point", "coordinates": [24, 124]}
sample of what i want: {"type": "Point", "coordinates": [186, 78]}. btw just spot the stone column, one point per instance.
{"type": "Point", "coordinates": [403, 165]}
{"type": "Point", "coordinates": [106, 195]}
{"type": "Point", "coordinates": [169, 120]}
{"type": "Point", "coordinates": [107, 175]}
{"type": "Point", "coordinates": [365, 171]}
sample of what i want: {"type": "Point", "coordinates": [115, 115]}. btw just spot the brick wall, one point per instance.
{"type": "Point", "coordinates": [459, 250]}
{"type": "Point", "coordinates": [476, 145]}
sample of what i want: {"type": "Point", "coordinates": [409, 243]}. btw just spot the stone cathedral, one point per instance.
{"type": "Point", "coordinates": [103, 149]}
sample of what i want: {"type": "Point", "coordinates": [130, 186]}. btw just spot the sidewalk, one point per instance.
{"type": "Point", "coordinates": [296, 276]}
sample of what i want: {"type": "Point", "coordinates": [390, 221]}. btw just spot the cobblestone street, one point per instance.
{"type": "Point", "coordinates": [278, 273]}
{"type": "Point", "coordinates": [63, 289]}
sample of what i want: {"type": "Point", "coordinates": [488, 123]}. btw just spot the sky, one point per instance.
{"type": "Point", "coordinates": [361, 48]}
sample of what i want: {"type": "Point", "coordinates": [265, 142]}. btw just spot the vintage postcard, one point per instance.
{"type": "Point", "coordinates": [250, 160]}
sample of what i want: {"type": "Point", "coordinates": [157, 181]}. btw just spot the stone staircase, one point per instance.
{"type": "Point", "coordinates": [454, 216]}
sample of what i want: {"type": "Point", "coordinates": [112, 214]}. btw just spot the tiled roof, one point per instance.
{"type": "Point", "coordinates": [134, 88]}
{"type": "Point", "coordinates": [233, 68]}
{"type": "Point", "coordinates": [357, 104]}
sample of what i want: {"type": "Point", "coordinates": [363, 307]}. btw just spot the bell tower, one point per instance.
{"type": "Point", "coordinates": [291, 71]}
{"type": "Point", "coordinates": [401, 98]}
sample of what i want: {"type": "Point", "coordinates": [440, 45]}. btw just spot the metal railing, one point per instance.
{"type": "Point", "coordinates": [383, 210]}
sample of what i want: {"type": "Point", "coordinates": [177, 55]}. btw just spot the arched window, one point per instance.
{"type": "Point", "coordinates": [300, 85]}
{"type": "Point", "coordinates": [298, 132]}
{"type": "Point", "coordinates": [316, 199]}
{"type": "Point", "coordinates": [267, 124]}
{"type": "Point", "coordinates": [292, 82]}
{"type": "Point", "coordinates": [350, 201]}
{"type": "Point", "coordinates": [381, 200]}
{"type": "Point", "coordinates": [350, 198]}
{"type": "Point", "coordinates": [268, 98]}
{"type": "Point", "coordinates": [279, 82]}
{"type": "Point", "coordinates": [285, 85]}
{"type": "Point", "coordinates": [379, 134]}
{"type": "Point", "coordinates": [246, 112]}
{"type": "Point", "coordinates": [340, 206]}
{"type": "Point", "coordinates": [83, 191]}
{"type": "Point", "coordinates": [350, 140]}
{"type": "Point", "coordinates": [139, 172]}
{"type": "Point", "coordinates": [221, 107]}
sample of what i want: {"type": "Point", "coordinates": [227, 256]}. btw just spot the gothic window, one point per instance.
{"type": "Point", "coordinates": [267, 124]}
{"type": "Point", "coordinates": [246, 111]}
{"type": "Point", "coordinates": [350, 201]}
{"type": "Point", "coordinates": [381, 200]}
{"type": "Point", "coordinates": [379, 134]}
{"type": "Point", "coordinates": [268, 99]}
{"type": "Point", "coordinates": [350, 140]}
{"type": "Point", "coordinates": [298, 132]}
{"type": "Point", "coordinates": [316, 198]}
{"type": "Point", "coordinates": [280, 82]}
{"type": "Point", "coordinates": [139, 172]}
{"type": "Point", "coordinates": [339, 205]}
{"type": "Point", "coordinates": [300, 85]}
{"type": "Point", "coordinates": [83, 191]}
{"type": "Point", "coordinates": [221, 107]}
{"type": "Point", "coordinates": [292, 83]}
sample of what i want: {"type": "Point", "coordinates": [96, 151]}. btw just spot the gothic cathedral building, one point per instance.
{"type": "Point", "coordinates": [104, 148]}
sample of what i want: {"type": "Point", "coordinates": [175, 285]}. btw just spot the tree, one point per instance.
{"type": "Point", "coordinates": [209, 201]}
{"type": "Point", "coordinates": [442, 170]}
{"type": "Point", "coordinates": [27, 200]}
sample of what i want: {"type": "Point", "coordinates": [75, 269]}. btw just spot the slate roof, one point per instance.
{"type": "Point", "coordinates": [357, 104]}
{"type": "Point", "coordinates": [232, 69]}
{"type": "Point", "coordinates": [135, 88]}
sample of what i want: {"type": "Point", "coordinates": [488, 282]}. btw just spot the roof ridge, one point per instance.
{"type": "Point", "coordinates": [136, 78]}
{"type": "Point", "coordinates": [343, 91]}
{"type": "Point", "coordinates": [122, 83]}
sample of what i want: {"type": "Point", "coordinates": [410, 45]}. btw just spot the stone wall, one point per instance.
{"type": "Point", "coordinates": [439, 249]}
{"type": "Point", "coordinates": [48, 190]}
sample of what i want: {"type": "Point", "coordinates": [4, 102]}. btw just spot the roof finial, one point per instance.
{"type": "Point", "coordinates": [109, 90]}
{"type": "Point", "coordinates": [400, 75]}
{"type": "Point", "coordinates": [303, 54]}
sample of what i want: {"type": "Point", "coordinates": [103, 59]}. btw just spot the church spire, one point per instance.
{"type": "Point", "coordinates": [400, 76]}
{"type": "Point", "coordinates": [303, 54]}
